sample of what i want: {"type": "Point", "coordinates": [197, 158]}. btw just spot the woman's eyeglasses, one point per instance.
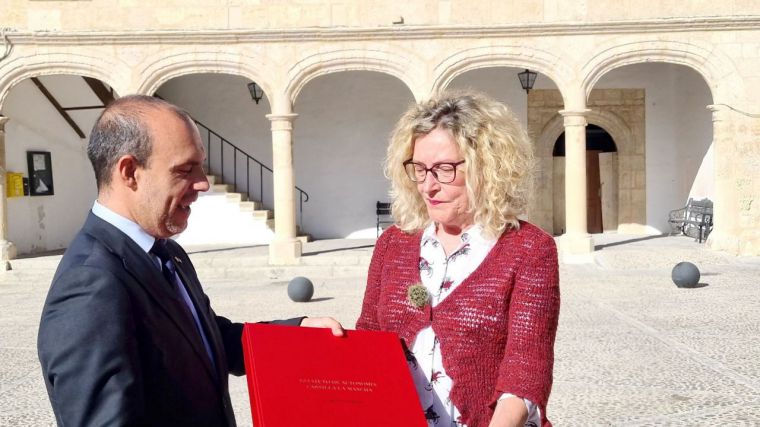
{"type": "Point", "coordinates": [444, 173]}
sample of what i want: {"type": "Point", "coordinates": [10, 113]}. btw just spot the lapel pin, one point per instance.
{"type": "Point", "coordinates": [177, 260]}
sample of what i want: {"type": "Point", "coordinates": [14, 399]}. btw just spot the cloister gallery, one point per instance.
{"type": "Point", "coordinates": [634, 110]}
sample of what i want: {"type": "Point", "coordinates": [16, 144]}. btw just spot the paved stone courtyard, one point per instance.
{"type": "Point", "coordinates": [632, 349]}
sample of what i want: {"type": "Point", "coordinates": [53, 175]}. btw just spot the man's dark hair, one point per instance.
{"type": "Point", "coordinates": [122, 130]}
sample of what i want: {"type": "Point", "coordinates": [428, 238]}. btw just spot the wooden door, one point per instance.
{"type": "Point", "coordinates": [593, 192]}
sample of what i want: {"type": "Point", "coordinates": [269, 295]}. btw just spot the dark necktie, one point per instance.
{"type": "Point", "coordinates": [167, 267]}
{"type": "Point", "coordinates": [160, 250]}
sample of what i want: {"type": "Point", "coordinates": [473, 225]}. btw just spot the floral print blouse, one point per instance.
{"type": "Point", "coordinates": [441, 274]}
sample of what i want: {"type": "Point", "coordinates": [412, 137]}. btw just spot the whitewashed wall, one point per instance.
{"type": "Point", "coordinates": [43, 223]}
{"type": "Point", "coordinates": [340, 139]}
{"type": "Point", "coordinates": [215, 14]}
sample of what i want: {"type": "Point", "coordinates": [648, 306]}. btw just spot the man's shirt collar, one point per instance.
{"type": "Point", "coordinates": [126, 226]}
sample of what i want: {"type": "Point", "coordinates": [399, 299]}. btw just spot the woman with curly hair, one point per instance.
{"type": "Point", "coordinates": [472, 291]}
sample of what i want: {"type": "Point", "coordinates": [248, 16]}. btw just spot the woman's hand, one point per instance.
{"type": "Point", "coordinates": [510, 412]}
{"type": "Point", "coordinates": [324, 322]}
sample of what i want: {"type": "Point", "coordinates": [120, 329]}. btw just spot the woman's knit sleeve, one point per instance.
{"type": "Point", "coordinates": [368, 318]}
{"type": "Point", "coordinates": [526, 369]}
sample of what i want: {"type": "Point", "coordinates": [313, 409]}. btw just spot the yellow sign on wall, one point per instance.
{"type": "Point", "coordinates": [15, 184]}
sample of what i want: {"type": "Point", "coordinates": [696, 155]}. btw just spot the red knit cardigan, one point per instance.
{"type": "Point", "coordinates": [496, 329]}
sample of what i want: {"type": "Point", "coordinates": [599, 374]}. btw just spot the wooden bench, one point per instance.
{"type": "Point", "coordinates": [383, 212]}
{"type": "Point", "coordinates": [693, 220]}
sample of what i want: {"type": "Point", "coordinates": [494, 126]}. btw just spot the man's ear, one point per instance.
{"type": "Point", "coordinates": [126, 170]}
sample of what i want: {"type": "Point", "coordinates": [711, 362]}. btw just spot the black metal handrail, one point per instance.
{"type": "Point", "coordinates": [224, 143]}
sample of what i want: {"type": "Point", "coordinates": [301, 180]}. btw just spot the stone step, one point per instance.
{"type": "Point", "coordinates": [322, 258]}
{"type": "Point", "coordinates": [208, 273]}
{"type": "Point", "coordinates": [236, 197]}
{"type": "Point", "coordinates": [251, 206]}
{"type": "Point", "coordinates": [222, 188]}
{"type": "Point", "coordinates": [263, 215]}
{"type": "Point", "coordinates": [285, 273]}
{"type": "Point", "coordinates": [229, 266]}
{"type": "Point", "coordinates": [255, 208]}
{"type": "Point", "coordinates": [218, 266]}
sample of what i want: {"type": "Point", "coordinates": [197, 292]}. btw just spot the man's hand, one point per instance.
{"type": "Point", "coordinates": [324, 322]}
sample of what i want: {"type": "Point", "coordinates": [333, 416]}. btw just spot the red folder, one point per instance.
{"type": "Point", "coordinates": [308, 377]}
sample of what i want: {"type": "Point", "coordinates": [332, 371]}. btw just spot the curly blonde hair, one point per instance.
{"type": "Point", "coordinates": [498, 155]}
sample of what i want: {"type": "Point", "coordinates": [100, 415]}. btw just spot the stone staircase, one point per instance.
{"type": "Point", "coordinates": [221, 216]}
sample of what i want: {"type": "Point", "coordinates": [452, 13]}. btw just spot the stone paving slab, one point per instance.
{"type": "Point", "coordinates": [631, 350]}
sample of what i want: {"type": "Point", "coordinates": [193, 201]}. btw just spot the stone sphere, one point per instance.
{"type": "Point", "coordinates": [300, 289]}
{"type": "Point", "coordinates": [685, 275]}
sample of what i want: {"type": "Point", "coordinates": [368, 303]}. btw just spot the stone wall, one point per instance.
{"type": "Point", "coordinates": [74, 15]}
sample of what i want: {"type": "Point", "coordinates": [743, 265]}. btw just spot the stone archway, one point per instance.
{"type": "Point", "coordinates": [618, 111]}
{"type": "Point", "coordinates": [106, 69]}
{"type": "Point", "coordinates": [168, 67]}
{"type": "Point", "coordinates": [518, 56]}
{"type": "Point", "coordinates": [396, 64]}
{"type": "Point", "coordinates": [716, 68]}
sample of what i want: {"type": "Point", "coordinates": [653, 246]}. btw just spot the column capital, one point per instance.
{"type": "Point", "coordinates": [3, 121]}
{"type": "Point", "coordinates": [575, 117]}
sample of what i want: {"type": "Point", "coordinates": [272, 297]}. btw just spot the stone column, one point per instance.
{"type": "Point", "coordinates": [725, 234]}
{"type": "Point", "coordinates": [576, 240]}
{"type": "Point", "coordinates": [7, 249]}
{"type": "Point", "coordinates": [285, 249]}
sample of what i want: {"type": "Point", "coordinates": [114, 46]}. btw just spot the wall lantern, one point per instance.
{"type": "Point", "coordinates": [527, 78]}
{"type": "Point", "coordinates": [257, 93]}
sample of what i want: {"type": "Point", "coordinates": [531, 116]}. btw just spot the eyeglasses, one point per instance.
{"type": "Point", "coordinates": [444, 173]}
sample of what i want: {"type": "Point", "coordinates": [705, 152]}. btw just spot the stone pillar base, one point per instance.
{"type": "Point", "coordinates": [7, 253]}
{"type": "Point", "coordinates": [285, 252]}
{"type": "Point", "coordinates": [719, 241]}
{"type": "Point", "coordinates": [576, 248]}
{"type": "Point", "coordinates": [7, 250]}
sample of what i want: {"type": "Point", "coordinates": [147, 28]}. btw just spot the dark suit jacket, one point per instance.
{"type": "Point", "coordinates": [118, 348]}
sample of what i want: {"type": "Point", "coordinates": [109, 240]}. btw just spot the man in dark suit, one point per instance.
{"type": "Point", "coordinates": [127, 335]}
